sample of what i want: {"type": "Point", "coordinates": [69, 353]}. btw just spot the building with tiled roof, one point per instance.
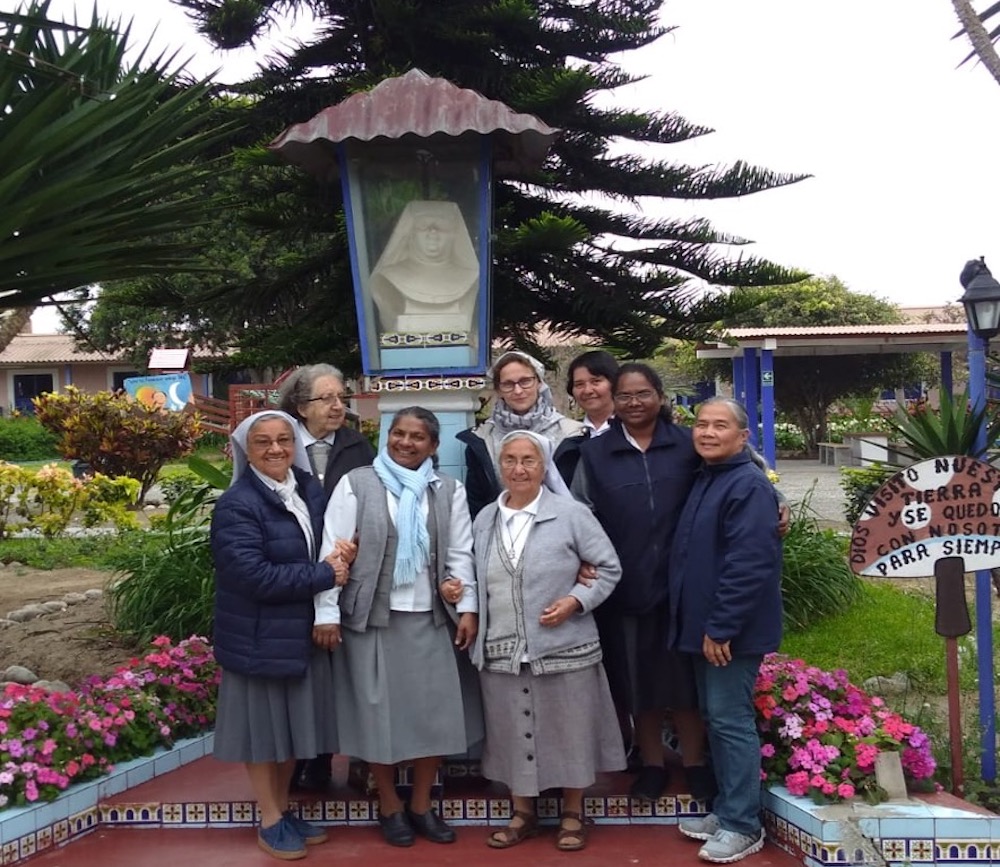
{"type": "Point", "coordinates": [32, 364]}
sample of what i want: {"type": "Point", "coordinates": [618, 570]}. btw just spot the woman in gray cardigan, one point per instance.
{"type": "Point", "coordinates": [550, 720]}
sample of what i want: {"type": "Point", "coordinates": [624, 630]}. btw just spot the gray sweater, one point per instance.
{"type": "Point", "coordinates": [565, 534]}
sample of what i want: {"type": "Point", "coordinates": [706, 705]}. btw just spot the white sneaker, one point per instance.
{"type": "Point", "coordinates": [703, 828]}
{"type": "Point", "coordinates": [728, 846]}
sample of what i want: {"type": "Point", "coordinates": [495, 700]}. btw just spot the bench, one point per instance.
{"type": "Point", "coordinates": [835, 454]}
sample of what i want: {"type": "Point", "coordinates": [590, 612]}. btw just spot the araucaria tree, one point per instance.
{"type": "Point", "coordinates": [574, 248]}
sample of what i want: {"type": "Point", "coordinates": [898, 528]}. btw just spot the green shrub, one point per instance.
{"type": "Point", "coordinates": [115, 435]}
{"type": "Point", "coordinates": [176, 484]}
{"type": "Point", "coordinates": [22, 438]}
{"type": "Point", "coordinates": [50, 499]}
{"type": "Point", "coordinates": [815, 579]}
{"type": "Point", "coordinates": [170, 590]}
{"type": "Point", "coordinates": [103, 552]}
{"type": "Point", "coordinates": [859, 484]}
{"type": "Point", "coordinates": [788, 437]}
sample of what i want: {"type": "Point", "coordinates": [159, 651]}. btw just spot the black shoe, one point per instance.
{"type": "Point", "coordinates": [701, 782]}
{"type": "Point", "coordinates": [431, 826]}
{"type": "Point", "coordinates": [314, 775]}
{"type": "Point", "coordinates": [396, 830]}
{"type": "Point", "coordinates": [650, 783]}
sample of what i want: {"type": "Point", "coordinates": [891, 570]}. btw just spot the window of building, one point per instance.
{"type": "Point", "coordinates": [28, 386]}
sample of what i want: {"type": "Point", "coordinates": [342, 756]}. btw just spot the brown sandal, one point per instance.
{"type": "Point", "coordinates": [504, 838]}
{"type": "Point", "coordinates": [571, 840]}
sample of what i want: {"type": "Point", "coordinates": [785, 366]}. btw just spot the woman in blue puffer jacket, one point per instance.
{"type": "Point", "coordinates": [265, 533]}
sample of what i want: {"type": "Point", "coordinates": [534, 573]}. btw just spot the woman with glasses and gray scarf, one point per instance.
{"type": "Point", "coordinates": [523, 402]}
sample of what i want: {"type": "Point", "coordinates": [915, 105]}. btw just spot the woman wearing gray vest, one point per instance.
{"type": "Point", "coordinates": [397, 668]}
{"type": "Point", "coordinates": [550, 719]}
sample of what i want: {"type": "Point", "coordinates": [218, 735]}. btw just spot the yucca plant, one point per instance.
{"type": "Point", "coordinates": [951, 430]}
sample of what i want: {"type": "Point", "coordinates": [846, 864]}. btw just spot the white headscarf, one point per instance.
{"type": "Point", "coordinates": [552, 480]}
{"type": "Point", "coordinates": [238, 441]}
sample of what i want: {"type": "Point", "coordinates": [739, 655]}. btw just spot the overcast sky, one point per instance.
{"type": "Point", "coordinates": [865, 95]}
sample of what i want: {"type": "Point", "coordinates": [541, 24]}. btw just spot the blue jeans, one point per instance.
{"type": "Point", "coordinates": [725, 695]}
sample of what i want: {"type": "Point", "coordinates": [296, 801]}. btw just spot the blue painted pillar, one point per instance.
{"type": "Point", "coordinates": [946, 377]}
{"type": "Point", "coordinates": [767, 401]}
{"type": "Point", "coordinates": [750, 381]}
{"type": "Point", "coordinates": [739, 383]}
{"type": "Point", "coordinates": [984, 589]}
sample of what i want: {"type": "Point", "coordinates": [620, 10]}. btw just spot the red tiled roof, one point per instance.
{"type": "Point", "coordinates": [61, 349]}
{"type": "Point", "coordinates": [928, 328]}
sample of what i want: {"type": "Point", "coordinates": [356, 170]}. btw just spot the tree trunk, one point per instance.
{"type": "Point", "coordinates": [12, 324]}
{"type": "Point", "coordinates": [979, 39]}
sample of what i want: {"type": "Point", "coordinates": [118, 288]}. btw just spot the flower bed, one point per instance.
{"type": "Point", "coordinates": [50, 740]}
{"type": "Point", "coordinates": [820, 734]}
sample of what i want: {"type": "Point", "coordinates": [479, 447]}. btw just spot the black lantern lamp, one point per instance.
{"type": "Point", "coordinates": [981, 299]}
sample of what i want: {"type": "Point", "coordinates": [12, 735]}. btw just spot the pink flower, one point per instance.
{"type": "Point", "coordinates": [846, 791]}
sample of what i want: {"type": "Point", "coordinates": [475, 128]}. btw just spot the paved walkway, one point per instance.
{"type": "Point", "coordinates": [821, 483]}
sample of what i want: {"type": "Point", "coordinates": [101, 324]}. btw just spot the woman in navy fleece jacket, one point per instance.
{"type": "Point", "coordinates": [725, 604]}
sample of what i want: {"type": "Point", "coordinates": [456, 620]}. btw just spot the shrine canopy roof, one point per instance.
{"type": "Point", "coordinates": [415, 104]}
{"type": "Point", "coordinates": [841, 340]}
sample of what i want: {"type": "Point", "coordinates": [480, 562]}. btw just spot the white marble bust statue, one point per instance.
{"type": "Point", "coordinates": [426, 279]}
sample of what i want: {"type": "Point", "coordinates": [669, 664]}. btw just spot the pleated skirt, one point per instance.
{"type": "Point", "coordinates": [262, 719]}
{"type": "Point", "coordinates": [403, 692]}
{"type": "Point", "coordinates": [549, 730]}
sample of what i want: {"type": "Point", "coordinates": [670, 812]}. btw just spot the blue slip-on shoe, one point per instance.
{"type": "Point", "coordinates": [281, 841]}
{"type": "Point", "coordinates": [310, 834]}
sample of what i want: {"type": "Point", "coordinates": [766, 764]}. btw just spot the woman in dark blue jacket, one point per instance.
{"type": "Point", "coordinates": [265, 534]}
{"type": "Point", "coordinates": [725, 595]}
{"type": "Point", "coordinates": [636, 478]}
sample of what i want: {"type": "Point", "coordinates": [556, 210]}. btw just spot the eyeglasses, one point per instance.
{"type": "Point", "coordinates": [509, 463]}
{"type": "Point", "coordinates": [644, 396]}
{"type": "Point", "coordinates": [330, 399]}
{"type": "Point", "coordinates": [508, 385]}
{"type": "Point", "coordinates": [264, 443]}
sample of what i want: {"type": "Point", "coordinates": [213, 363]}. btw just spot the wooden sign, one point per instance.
{"type": "Point", "coordinates": [938, 508]}
{"type": "Point", "coordinates": [939, 517]}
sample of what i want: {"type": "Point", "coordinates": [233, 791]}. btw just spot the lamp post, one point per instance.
{"type": "Point", "coordinates": [982, 310]}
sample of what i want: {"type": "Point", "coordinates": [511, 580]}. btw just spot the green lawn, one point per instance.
{"type": "Point", "coordinates": [890, 629]}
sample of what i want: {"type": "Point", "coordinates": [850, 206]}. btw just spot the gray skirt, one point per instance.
{"type": "Point", "coordinates": [549, 730]}
{"type": "Point", "coordinates": [399, 692]}
{"type": "Point", "coordinates": [261, 719]}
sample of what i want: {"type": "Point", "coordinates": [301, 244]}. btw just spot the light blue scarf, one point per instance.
{"type": "Point", "coordinates": [413, 548]}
